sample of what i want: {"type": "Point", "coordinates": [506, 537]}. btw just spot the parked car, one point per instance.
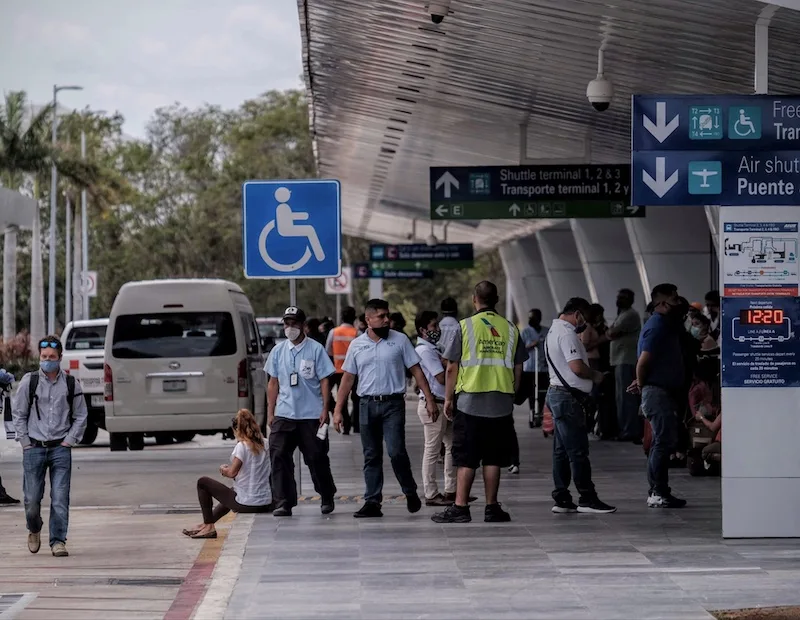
{"type": "Point", "coordinates": [182, 356]}
{"type": "Point", "coordinates": [84, 345]}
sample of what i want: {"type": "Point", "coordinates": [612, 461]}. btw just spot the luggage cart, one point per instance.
{"type": "Point", "coordinates": [539, 394]}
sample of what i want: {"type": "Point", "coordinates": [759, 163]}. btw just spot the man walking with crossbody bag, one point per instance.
{"type": "Point", "coordinates": [571, 381]}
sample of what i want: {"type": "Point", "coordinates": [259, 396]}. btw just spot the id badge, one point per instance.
{"type": "Point", "coordinates": [294, 379]}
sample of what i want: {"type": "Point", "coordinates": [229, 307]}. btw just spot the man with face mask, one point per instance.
{"type": "Point", "coordinates": [661, 378]}
{"type": "Point", "coordinates": [533, 336]}
{"type": "Point", "coordinates": [571, 381]}
{"type": "Point", "coordinates": [379, 359]}
{"type": "Point", "coordinates": [298, 402]}
{"type": "Point", "coordinates": [440, 430]}
{"type": "Point", "coordinates": [49, 414]}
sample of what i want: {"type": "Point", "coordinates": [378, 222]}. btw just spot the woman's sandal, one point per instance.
{"type": "Point", "coordinates": [190, 533]}
{"type": "Point", "coordinates": [208, 535]}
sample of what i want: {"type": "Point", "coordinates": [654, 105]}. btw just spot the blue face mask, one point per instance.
{"type": "Point", "coordinates": [49, 366]}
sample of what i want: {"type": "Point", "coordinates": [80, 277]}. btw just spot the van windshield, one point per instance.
{"type": "Point", "coordinates": [174, 334]}
{"type": "Point", "coordinates": [86, 339]}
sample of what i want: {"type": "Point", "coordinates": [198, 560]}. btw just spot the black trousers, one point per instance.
{"type": "Point", "coordinates": [209, 490]}
{"type": "Point", "coordinates": [285, 437]}
{"type": "Point", "coordinates": [350, 421]}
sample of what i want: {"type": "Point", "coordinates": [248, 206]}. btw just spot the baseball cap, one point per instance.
{"type": "Point", "coordinates": [294, 313]}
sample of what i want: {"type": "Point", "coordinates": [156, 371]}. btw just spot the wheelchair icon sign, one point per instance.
{"type": "Point", "coordinates": [291, 229]}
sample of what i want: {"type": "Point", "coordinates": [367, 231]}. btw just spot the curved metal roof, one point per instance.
{"type": "Point", "coordinates": [392, 93]}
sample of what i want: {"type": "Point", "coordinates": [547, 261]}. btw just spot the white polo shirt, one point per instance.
{"type": "Point", "coordinates": [431, 365]}
{"type": "Point", "coordinates": [564, 346]}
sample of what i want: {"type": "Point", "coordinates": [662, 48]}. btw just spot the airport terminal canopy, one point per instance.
{"type": "Point", "coordinates": [392, 93]}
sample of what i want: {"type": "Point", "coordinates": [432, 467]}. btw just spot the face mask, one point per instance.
{"type": "Point", "coordinates": [50, 366]}
{"type": "Point", "coordinates": [381, 332]}
{"type": "Point", "coordinates": [695, 331]}
{"type": "Point", "coordinates": [434, 335]}
{"type": "Point", "coordinates": [292, 333]}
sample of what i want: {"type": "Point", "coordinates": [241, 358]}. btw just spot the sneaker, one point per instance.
{"type": "Point", "coordinates": [282, 511]}
{"type": "Point", "coordinates": [453, 514]}
{"type": "Point", "coordinates": [514, 469]}
{"type": "Point", "coordinates": [595, 506]}
{"type": "Point", "coordinates": [369, 510]}
{"type": "Point", "coordinates": [7, 500]}
{"type": "Point", "coordinates": [59, 550]}
{"type": "Point", "coordinates": [413, 503]}
{"type": "Point", "coordinates": [655, 500]}
{"type": "Point", "coordinates": [327, 506]}
{"type": "Point", "coordinates": [34, 542]}
{"type": "Point", "coordinates": [564, 507]}
{"type": "Point", "coordinates": [438, 500]}
{"type": "Point", "coordinates": [494, 513]}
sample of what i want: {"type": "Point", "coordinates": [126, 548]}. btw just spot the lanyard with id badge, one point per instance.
{"type": "Point", "coordinates": [294, 378]}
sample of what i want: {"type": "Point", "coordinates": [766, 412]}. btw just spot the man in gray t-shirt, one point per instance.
{"type": "Point", "coordinates": [483, 423]}
{"type": "Point", "coordinates": [624, 337]}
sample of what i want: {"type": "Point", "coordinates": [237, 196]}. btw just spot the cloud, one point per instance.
{"type": "Point", "coordinates": [152, 47]}
{"type": "Point", "coordinates": [56, 32]}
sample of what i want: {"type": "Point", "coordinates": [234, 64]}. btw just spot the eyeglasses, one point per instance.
{"type": "Point", "coordinates": [52, 344]}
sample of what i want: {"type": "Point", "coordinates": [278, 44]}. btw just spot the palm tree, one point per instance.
{"type": "Point", "coordinates": [27, 150]}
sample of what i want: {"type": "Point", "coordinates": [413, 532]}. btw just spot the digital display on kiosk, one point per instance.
{"type": "Point", "coordinates": [761, 316]}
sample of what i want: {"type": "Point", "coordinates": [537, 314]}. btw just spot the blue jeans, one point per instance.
{"type": "Point", "coordinates": [35, 463]}
{"type": "Point", "coordinates": [630, 426]}
{"type": "Point", "coordinates": [660, 408]}
{"type": "Point", "coordinates": [381, 421]}
{"type": "Point", "coordinates": [570, 447]}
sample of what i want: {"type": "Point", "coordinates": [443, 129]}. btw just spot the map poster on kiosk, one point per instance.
{"type": "Point", "coordinates": [760, 307]}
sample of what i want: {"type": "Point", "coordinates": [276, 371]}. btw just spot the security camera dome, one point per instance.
{"type": "Point", "coordinates": [600, 92]}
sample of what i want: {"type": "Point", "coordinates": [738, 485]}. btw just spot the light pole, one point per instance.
{"type": "Point", "coordinates": [85, 239]}
{"type": "Point", "coordinates": [51, 291]}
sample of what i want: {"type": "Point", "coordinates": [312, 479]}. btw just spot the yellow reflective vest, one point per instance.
{"type": "Point", "coordinates": [488, 348]}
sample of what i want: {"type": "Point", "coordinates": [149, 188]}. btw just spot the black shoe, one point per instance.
{"type": "Point", "coordinates": [595, 506]}
{"type": "Point", "coordinates": [327, 506]}
{"type": "Point", "coordinates": [369, 510]}
{"type": "Point", "coordinates": [563, 507]}
{"type": "Point", "coordinates": [346, 433]}
{"type": "Point", "coordinates": [7, 500]}
{"type": "Point", "coordinates": [282, 511]}
{"type": "Point", "coordinates": [453, 514]}
{"type": "Point", "coordinates": [494, 513]}
{"type": "Point", "coordinates": [413, 503]}
{"type": "Point", "coordinates": [668, 500]}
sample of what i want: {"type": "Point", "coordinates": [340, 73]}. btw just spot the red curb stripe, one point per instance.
{"type": "Point", "coordinates": [192, 591]}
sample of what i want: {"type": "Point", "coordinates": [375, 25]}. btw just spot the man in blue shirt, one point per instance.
{"type": "Point", "coordinates": [379, 358]}
{"type": "Point", "coordinates": [298, 400]}
{"type": "Point", "coordinates": [660, 377]}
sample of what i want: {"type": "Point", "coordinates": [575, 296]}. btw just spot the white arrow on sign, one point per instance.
{"type": "Point", "coordinates": [660, 185]}
{"type": "Point", "coordinates": [449, 181]}
{"type": "Point", "coordinates": [661, 130]}
{"type": "Point", "coordinates": [441, 210]}
{"type": "Point", "coordinates": [514, 209]}
{"type": "Point", "coordinates": [633, 209]}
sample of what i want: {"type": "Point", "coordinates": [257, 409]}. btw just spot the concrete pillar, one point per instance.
{"type": "Point", "coordinates": [562, 264]}
{"type": "Point", "coordinates": [527, 280]}
{"type": "Point", "coordinates": [673, 244]}
{"type": "Point", "coordinates": [607, 261]}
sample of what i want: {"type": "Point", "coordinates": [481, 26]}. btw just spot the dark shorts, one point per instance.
{"type": "Point", "coordinates": [483, 441]}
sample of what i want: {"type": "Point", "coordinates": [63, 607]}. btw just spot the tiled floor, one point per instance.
{"type": "Point", "coordinates": [638, 563]}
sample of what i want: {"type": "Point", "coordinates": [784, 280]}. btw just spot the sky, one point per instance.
{"type": "Point", "coordinates": [136, 57]}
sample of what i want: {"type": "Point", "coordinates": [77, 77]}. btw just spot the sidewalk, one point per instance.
{"type": "Point", "coordinates": [638, 563]}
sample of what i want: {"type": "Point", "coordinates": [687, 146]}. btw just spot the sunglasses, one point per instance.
{"type": "Point", "coordinates": [51, 344]}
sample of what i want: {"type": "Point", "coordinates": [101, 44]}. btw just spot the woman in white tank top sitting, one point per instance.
{"type": "Point", "coordinates": [250, 470]}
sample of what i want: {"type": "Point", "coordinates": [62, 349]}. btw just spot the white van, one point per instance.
{"type": "Point", "coordinates": [84, 346]}
{"type": "Point", "coordinates": [182, 357]}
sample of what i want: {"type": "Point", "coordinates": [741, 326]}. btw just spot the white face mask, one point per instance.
{"type": "Point", "coordinates": [292, 333]}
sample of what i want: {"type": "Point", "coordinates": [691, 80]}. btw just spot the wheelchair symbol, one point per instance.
{"type": "Point", "coordinates": [285, 222]}
{"type": "Point", "coordinates": [744, 126]}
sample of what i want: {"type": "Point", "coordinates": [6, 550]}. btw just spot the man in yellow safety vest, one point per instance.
{"type": "Point", "coordinates": [484, 368]}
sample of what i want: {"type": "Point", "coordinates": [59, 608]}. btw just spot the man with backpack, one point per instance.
{"type": "Point", "coordinates": [50, 415]}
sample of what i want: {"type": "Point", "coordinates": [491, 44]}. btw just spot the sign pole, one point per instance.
{"type": "Point", "coordinates": [338, 316]}
{"type": "Point", "coordinates": [292, 292]}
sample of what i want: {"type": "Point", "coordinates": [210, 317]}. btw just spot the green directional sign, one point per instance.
{"type": "Point", "coordinates": [532, 192]}
{"type": "Point", "coordinates": [520, 210]}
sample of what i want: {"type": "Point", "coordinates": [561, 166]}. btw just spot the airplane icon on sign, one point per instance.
{"type": "Point", "coordinates": [705, 173]}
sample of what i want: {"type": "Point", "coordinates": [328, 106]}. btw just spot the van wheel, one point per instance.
{"type": "Point", "coordinates": [89, 435]}
{"type": "Point", "coordinates": [183, 436]}
{"type": "Point", "coordinates": [136, 441]}
{"type": "Point", "coordinates": [119, 442]}
{"type": "Point", "coordinates": [163, 439]}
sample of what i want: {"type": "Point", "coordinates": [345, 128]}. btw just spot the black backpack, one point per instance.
{"type": "Point", "coordinates": [34, 383]}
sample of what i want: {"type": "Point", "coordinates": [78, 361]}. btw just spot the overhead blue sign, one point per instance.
{"type": "Point", "coordinates": [760, 345]}
{"type": "Point", "coordinates": [366, 270]}
{"type": "Point", "coordinates": [724, 150]}
{"type": "Point", "coordinates": [291, 229]}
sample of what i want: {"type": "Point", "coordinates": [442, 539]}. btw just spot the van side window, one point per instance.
{"type": "Point", "coordinates": [250, 334]}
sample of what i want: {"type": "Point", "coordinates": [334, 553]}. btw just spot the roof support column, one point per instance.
{"type": "Point", "coordinates": [561, 264]}
{"type": "Point", "coordinates": [607, 260]}
{"type": "Point", "coordinates": [526, 278]}
{"type": "Point", "coordinates": [673, 244]}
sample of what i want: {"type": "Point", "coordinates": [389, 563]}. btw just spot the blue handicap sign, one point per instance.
{"type": "Point", "coordinates": [291, 229]}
